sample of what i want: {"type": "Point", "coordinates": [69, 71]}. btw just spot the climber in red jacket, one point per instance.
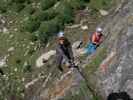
{"type": "Point", "coordinates": [97, 37]}
{"type": "Point", "coordinates": [95, 41]}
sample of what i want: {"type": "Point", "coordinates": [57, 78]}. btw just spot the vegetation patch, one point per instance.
{"type": "Point", "coordinates": [92, 67]}
{"type": "Point", "coordinates": [96, 60]}
{"type": "Point", "coordinates": [43, 11]}
{"type": "Point", "coordinates": [79, 93]}
{"type": "Point", "coordinates": [100, 4]}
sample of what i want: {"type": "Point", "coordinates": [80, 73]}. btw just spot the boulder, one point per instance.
{"type": "Point", "coordinates": [85, 27]}
{"type": "Point", "coordinates": [5, 30]}
{"type": "Point", "coordinates": [11, 49]}
{"type": "Point", "coordinates": [3, 62]}
{"type": "Point", "coordinates": [103, 12]}
{"type": "Point", "coordinates": [44, 58]}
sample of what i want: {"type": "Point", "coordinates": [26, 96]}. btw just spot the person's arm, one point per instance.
{"type": "Point", "coordinates": [93, 40]}
{"type": "Point", "coordinates": [71, 52]}
{"type": "Point", "coordinates": [69, 47]}
{"type": "Point", "coordinates": [102, 38]}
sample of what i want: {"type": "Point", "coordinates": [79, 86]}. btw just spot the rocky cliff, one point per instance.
{"type": "Point", "coordinates": [110, 70]}
{"type": "Point", "coordinates": [118, 64]}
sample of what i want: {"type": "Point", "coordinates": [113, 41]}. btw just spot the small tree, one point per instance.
{"type": "Point", "coordinates": [44, 15]}
{"type": "Point", "coordinates": [29, 9]}
{"type": "Point", "coordinates": [17, 7]}
{"type": "Point", "coordinates": [45, 4]}
{"type": "Point", "coordinates": [65, 12]}
{"type": "Point", "coordinates": [19, 1]}
{"type": "Point", "coordinates": [48, 29]}
{"type": "Point", "coordinates": [3, 6]}
{"type": "Point", "coordinates": [76, 4]}
{"type": "Point", "coordinates": [32, 25]}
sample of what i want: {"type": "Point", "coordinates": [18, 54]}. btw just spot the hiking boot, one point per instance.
{"type": "Point", "coordinates": [61, 69]}
{"type": "Point", "coordinates": [1, 72]}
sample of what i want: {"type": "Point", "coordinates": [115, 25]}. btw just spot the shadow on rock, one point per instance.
{"type": "Point", "coordinates": [119, 96]}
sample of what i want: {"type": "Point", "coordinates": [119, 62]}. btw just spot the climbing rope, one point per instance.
{"type": "Point", "coordinates": [85, 79]}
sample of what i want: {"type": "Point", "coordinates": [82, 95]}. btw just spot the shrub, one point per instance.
{"type": "Point", "coordinates": [45, 4]}
{"type": "Point", "coordinates": [49, 26]}
{"type": "Point", "coordinates": [47, 29]}
{"type": "Point", "coordinates": [31, 51]}
{"type": "Point", "coordinates": [34, 38]}
{"type": "Point", "coordinates": [66, 17]}
{"type": "Point", "coordinates": [44, 37]}
{"type": "Point", "coordinates": [18, 61]}
{"type": "Point", "coordinates": [52, 19]}
{"type": "Point", "coordinates": [19, 1]}
{"type": "Point", "coordinates": [60, 22]}
{"type": "Point", "coordinates": [100, 4]}
{"type": "Point", "coordinates": [44, 15]}
{"type": "Point", "coordinates": [3, 6]}
{"type": "Point", "coordinates": [17, 7]}
{"type": "Point", "coordinates": [32, 25]}
{"type": "Point", "coordinates": [27, 68]}
{"type": "Point", "coordinates": [29, 9]}
{"type": "Point", "coordinates": [65, 12]}
{"type": "Point", "coordinates": [86, 0]}
{"type": "Point", "coordinates": [77, 4]}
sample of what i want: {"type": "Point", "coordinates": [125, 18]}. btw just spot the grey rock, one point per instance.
{"type": "Point", "coordinates": [46, 56]}
{"type": "Point", "coordinates": [5, 30]}
{"type": "Point", "coordinates": [103, 12]}
{"type": "Point", "coordinates": [120, 72]}
{"type": "Point", "coordinates": [11, 49]}
{"type": "Point", "coordinates": [11, 36]}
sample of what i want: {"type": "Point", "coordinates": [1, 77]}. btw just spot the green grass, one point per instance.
{"type": "Point", "coordinates": [44, 10]}
{"type": "Point", "coordinates": [13, 85]}
{"type": "Point", "coordinates": [92, 67]}
{"type": "Point", "coordinates": [81, 92]}
{"type": "Point", "coordinates": [96, 60]}
{"type": "Point", "coordinates": [100, 4]}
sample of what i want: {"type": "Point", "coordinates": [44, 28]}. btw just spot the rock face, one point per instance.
{"type": "Point", "coordinates": [103, 12]}
{"type": "Point", "coordinates": [117, 68]}
{"type": "Point", "coordinates": [70, 84]}
{"type": "Point", "coordinates": [119, 29]}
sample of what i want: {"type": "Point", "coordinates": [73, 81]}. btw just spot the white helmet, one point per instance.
{"type": "Point", "coordinates": [99, 29]}
{"type": "Point", "coordinates": [60, 34]}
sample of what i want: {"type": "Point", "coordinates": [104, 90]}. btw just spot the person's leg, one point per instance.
{"type": "Point", "coordinates": [60, 68]}
{"type": "Point", "coordinates": [91, 48]}
{"type": "Point", "coordinates": [68, 64]}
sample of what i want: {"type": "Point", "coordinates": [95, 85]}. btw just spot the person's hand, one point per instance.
{"type": "Point", "coordinates": [44, 60]}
